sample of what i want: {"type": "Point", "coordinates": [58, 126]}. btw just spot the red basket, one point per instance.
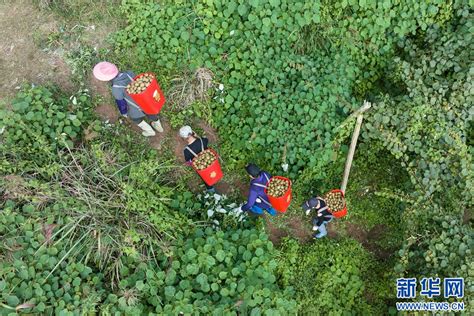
{"type": "Point", "coordinates": [280, 203]}
{"type": "Point", "coordinates": [212, 174]}
{"type": "Point", "coordinates": [343, 212]}
{"type": "Point", "coordinates": [147, 100]}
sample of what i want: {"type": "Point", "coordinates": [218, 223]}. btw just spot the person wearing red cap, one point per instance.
{"type": "Point", "coordinates": [105, 71]}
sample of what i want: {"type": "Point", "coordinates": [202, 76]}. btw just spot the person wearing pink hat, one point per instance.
{"type": "Point", "coordinates": [105, 71]}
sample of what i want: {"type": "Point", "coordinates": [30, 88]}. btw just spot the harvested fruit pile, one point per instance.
{"type": "Point", "coordinates": [277, 187]}
{"type": "Point", "coordinates": [335, 201]}
{"type": "Point", "coordinates": [140, 84]}
{"type": "Point", "coordinates": [204, 159]}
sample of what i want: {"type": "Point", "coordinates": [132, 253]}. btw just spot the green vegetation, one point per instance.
{"type": "Point", "coordinates": [94, 221]}
{"type": "Point", "coordinates": [340, 274]}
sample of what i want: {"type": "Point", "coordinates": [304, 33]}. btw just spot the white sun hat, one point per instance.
{"type": "Point", "coordinates": [185, 131]}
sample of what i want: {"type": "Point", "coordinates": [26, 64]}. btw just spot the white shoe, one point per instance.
{"type": "Point", "coordinates": [147, 131]}
{"type": "Point", "coordinates": [157, 126]}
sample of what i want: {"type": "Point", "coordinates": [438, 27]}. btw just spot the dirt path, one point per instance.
{"type": "Point", "coordinates": [21, 60]}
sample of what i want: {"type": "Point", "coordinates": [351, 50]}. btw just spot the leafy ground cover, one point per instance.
{"type": "Point", "coordinates": [94, 220]}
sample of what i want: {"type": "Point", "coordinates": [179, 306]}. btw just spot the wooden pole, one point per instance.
{"type": "Point", "coordinates": [355, 136]}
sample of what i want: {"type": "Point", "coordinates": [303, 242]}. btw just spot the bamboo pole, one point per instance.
{"type": "Point", "coordinates": [355, 135]}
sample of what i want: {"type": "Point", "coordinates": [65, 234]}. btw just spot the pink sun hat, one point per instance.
{"type": "Point", "coordinates": [105, 71]}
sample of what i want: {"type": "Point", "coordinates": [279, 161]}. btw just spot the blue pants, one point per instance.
{"type": "Point", "coordinates": [322, 229]}
{"type": "Point", "coordinates": [258, 210]}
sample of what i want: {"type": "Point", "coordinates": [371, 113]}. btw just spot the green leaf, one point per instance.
{"type": "Point", "coordinates": [185, 36]}
{"type": "Point", "coordinates": [275, 3]}
{"type": "Point", "coordinates": [41, 307]}
{"type": "Point", "coordinates": [191, 254]}
{"type": "Point", "coordinates": [235, 271]}
{"type": "Point", "coordinates": [140, 285]}
{"type": "Point", "coordinates": [242, 9]}
{"type": "Point", "coordinates": [224, 292]}
{"type": "Point", "coordinates": [29, 116]}
{"type": "Point", "coordinates": [201, 278]}
{"type": "Point", "coordinates": [254, 3]}
{"type": "Point", "coordinates": [174, 42]}
{"type": "Point", "coordinates": [12, 300]}
{"type": "Point", "coordinates": [220, 255]}
{"type": "Point", "coordinates": [170, 291]}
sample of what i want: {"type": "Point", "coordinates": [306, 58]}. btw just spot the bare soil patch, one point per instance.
{"type": "Point", "coordinates": [275, 234]}
{"type": "Point", "coordinates": [107, 112]}
{"type": "Point", "coordinates": [224, 187]}
{"type": "Point", "coordinates": [300, 229]}
{"type": "Point", "coordinates": [21, 60]}
{"type": "Point", "coordinates": [369, 239]}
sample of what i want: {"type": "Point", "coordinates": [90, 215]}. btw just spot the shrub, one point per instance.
{"type": "Point", "coordinates": [38, 279]}
{"type": "Point", "coordinates": [211, 273]}
{"type": "Point", "coordinates": [330, 277]}
{"type": "Point", "coordinates": [36, 127]}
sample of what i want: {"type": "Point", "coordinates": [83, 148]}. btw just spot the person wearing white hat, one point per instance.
{"type": "Point", "coordinates": [195, 146]}
{"type": "Point", "coordinates": [105, 71]}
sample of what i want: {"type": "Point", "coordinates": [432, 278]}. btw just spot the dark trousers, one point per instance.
{"type": "Point", "coordinates": [152, 118]}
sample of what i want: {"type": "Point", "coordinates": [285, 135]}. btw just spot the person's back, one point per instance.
{"type": "Point", "coordinates": [321, 217]}
{"type": "Point", "coordinates": [194, 147]}
{"type": "Point", "coordinates": [257, 200]}
{"type": "Point", "coordinates": [198, 145]}
{"type": "Point", "coordinates": [259, 184]}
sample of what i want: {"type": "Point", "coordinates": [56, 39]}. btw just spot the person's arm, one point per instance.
{"type": "Point", "coordinates": [122, 106]}
{"type": "Point", "coordinates": [205, 142]}
{"type": "Point", "coordinates": [188, 156]}
{"type": "Point", "coordinates": [326, 215]}
{"type": "Point", "coordinates": [252, 197]}
{"type": "Point", "coordinates": [119, 95]}
{"type": "Point", "coordinates": [317, 221]}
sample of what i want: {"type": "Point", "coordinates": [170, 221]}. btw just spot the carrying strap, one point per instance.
{"type": "Point", "coordinates": [129, 77]}
{"type": "Point", "coordinates": [262, 185]}
{"type": "Point", "coordinates": [192, 151]}
{"type": "Point", "coordinates": [264, 201]}
{"type": "Point", "coordinates": [322, 209]}
{"type": "Point", "coordinates": [124, 87]}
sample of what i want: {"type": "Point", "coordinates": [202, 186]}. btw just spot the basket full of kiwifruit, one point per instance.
{"type": "Point", "coordinates": [146, 92]}
{"type": "Point", "coordinates": [336, 202]}
{"type": "Point", "coordinates": [278, 190]}
{"type": "Point", "coordinates": [206, 164]}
